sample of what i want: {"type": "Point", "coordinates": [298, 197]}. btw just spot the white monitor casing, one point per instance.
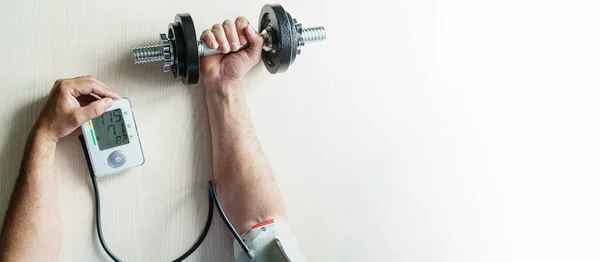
{"type": "Point", "coordinates": [132, 152]}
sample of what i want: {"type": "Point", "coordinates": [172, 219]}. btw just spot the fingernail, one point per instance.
{"type": "Point", "coordinates": [108, 102]}
{"type": "Point", "coordinates": [214, 44]}
{"type": "Point", "coordinates": [251, 29]}
{"type": "Point", "coordinates": [235, 46]}
{"type": "Point", "coordinates": [243, 40]}
{"type": "Point", "coordinates": [224, 48]}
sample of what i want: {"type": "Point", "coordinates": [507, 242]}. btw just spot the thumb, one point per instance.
{"type": "Point", "coordinates": [93, 110]}
{"type": "Point", "coordinates": [256, 43]}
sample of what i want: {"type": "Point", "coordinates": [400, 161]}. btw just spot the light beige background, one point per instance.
{"type": "Point", "coordinates": [421, 130]}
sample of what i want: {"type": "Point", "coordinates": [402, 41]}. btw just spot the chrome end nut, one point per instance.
{"type": "Point", "coordinates": [167, 46]}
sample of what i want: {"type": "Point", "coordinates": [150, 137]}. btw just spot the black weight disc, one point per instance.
{"type": "Point", "coordinates": [187, 49]}
{"type": "Point", "coordinates": [279, 23]}
{"type": "Point", "coordinates": [176, 37]}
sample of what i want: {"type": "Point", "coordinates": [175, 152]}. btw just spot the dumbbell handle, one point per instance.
{"type": "Point", "coordinates": [156, 53]}
{"type": "Point", "coordinates": [205, 50]}
{"type": "Point", "coordinates": [308, 35]}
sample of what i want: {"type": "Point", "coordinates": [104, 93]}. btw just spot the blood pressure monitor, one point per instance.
{"type": "Point", "coordinates": [112, 140]}
{"type": "Point", "coordinates": [111, 145]}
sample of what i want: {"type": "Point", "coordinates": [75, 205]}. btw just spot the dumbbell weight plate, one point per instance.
{"type": "Point", "coordinates": [279, 23]}
{"type": "Point", "coordinates": [183, 35]}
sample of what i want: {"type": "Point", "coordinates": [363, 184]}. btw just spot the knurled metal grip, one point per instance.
{"type": "Point", "coordinates": [180, 52]}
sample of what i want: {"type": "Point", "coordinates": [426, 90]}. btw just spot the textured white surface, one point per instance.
{"type": "Point", "coordinates": [421, 130]}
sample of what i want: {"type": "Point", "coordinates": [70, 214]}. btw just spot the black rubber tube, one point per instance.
{"type": "Point", "coordinates": [238, 238]}
{"type": "Point", "coordinates": [99, 216]}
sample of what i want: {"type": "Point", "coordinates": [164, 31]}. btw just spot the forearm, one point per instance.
{"type": "Point", "coordinates": [31, 230]}
{"type": "Point", "coordinates": [242, 172]}
{"type": "Point", "coordinates": [235, 146]}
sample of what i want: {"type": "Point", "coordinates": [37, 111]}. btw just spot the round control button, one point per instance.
{"type": "Point", "coordinates": [116, 159]}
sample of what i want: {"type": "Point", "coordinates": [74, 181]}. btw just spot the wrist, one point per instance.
{"type": "Point", "coordinates": [38, 160]}
{"type": "Point", "coordinates": [227, 99]}
{"type": "Point", "coordinates": [41, 133]}
{"type": "Point", "coordinates": [222, 90]}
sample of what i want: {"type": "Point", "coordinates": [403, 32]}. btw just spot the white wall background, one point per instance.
{"type": "Point", "coordinates": [421, 130]}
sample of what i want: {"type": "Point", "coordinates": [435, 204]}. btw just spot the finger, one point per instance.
{"type": "Point", "coordinates": [208, 62]}
{"type": "Point", "coordinates": [106, 86]}
{"type": "Point", "coordinates": [209, 39]}
{"type": "Point", "coordinates": [256, 43]}
{"type": "Point", "coordinates": [95, 80]}
{"type": "Point", "coordinates": [219, 33]}
{"type": "Point", "coordinates": [241, 23]}
{"type": "Point", "coordinates": [89, 77]}
{"type": "Point", "coordinates": [91, 111]}
{"type": "Point", "coordinates": [85, 85]}
{"type": "Point", "coordinates": [88, 85]}
{"type": "Point", "coordinates": [232, 35]}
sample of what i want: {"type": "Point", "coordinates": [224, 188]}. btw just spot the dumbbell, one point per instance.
{"type": "Point", "coordinates": [180, 51]}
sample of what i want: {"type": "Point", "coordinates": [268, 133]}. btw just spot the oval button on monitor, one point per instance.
{"type": "Point", "coordinates": [116, 159]}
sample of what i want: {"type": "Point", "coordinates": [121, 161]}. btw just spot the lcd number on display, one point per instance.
{"type": "Point", "coordinates": [110, 130]}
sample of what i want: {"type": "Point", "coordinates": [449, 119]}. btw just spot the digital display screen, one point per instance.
{"type": "Point", "coordinates": [110, 129]}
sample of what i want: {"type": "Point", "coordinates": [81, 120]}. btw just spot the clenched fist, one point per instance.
{"type": "Point", "coordinates": [221, 71]}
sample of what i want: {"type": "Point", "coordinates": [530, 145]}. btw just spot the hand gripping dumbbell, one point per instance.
{"type": "Point", "coordinates": [180, 51]}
